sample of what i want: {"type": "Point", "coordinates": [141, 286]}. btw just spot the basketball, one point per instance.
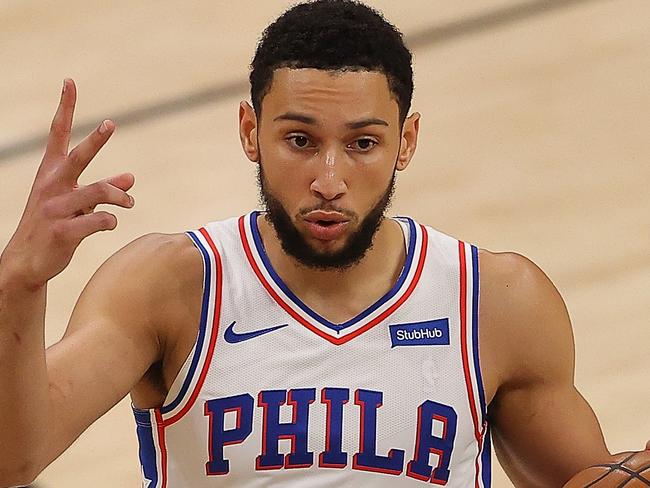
{"type": "Point", "coordinates": [628, 469]}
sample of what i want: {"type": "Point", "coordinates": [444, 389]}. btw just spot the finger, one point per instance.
{"type": "Point", "coordinates": [59, 139]}
{"type": "Point", "coordinates": [81, 156]}
{"type": "Point", "coordinates": [88, 197]}
{"type": "Point", "coordinates": [647, 446]}
{"type": "Point", "coordinates": [124, 181]}
{"type": "Point", "coordinates": [81, 227]}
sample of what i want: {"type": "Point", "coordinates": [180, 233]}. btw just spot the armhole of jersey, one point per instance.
{"type": "Point", "coordinates": [189, 380]}
{"type": "Point", "coordinates": [485, 453]}
{"type": "Point", "coordinates": [469, 298]}
{"type": "Point", "coordinates": [475, 332]}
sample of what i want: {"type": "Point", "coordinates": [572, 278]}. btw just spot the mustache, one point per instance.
{"type": "Point", "coordinates": [329, 207]}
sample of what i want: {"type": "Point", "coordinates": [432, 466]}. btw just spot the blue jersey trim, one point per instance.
{"type": "Point", "coordinates": [314, 315]}
{"type": "Point", "coordinates": [202, 326]}
{"type": "Point", "coordinates": [486, 459]}
{"type": "Point", "coordinates": [475, 341]}
{"type": "Point", "coordinates": [147, 449]}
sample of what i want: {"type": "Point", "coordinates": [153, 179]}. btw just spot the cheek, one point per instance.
{"type": "Point", "coordinates": [372, 188]}
{"type": "Point", "coordinates": [290, 188]}
{"type": "Point", "coordinates": [373, 174]}
{"type": "Point", "coordinates": [281, 165]}
{"type": "Point", "coordinates": [287, 180]}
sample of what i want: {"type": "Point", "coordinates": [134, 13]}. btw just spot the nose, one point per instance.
{"type": "Point", "coordinates": [329, 183]}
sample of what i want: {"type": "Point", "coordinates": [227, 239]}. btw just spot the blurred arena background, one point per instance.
{"type": "Point", "coordinates": [535, 138]}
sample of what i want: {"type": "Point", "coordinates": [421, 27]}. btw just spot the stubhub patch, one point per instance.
{"type": "Point", "coordinates": [429, 333]}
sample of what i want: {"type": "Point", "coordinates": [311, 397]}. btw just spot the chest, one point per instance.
{"type": "Point", "coordinates": [271, 386]}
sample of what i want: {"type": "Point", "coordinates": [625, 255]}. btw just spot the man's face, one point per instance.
{"type": "Point", "coordinates": [328, 145]}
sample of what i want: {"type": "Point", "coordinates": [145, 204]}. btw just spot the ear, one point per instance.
{"type": "Point", "coordinates": [409, 141]}
{"type": "Point", "coordinates": [248, 131]}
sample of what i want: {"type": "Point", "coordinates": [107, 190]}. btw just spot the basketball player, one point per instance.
{"type": "Point", "coordinates": [316, 343]}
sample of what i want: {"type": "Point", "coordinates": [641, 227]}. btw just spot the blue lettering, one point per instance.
{"type": "Point", "coordinates": [426, 443]}
{"type": "Point", "coordinates": [435, 433]}
{"type": "Point", "coordinates": [333, 456]}
{"type": "Point", "coordinates": [219, 437]}
{"type": "Point", "coordinates": [367, 459]}
{"type": "Point", "coordinates": [297, 430]}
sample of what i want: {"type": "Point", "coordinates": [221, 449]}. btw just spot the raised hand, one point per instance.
{"type": "Point", "coordinates": [59, 213]}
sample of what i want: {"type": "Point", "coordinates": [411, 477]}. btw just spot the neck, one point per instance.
{"type": "Point", "coordinates": [364, 281]}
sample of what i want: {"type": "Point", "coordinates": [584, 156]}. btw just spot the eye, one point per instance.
{"type": "Point", "coordinates": [298, 141]}
{"type": "Point", "coordinates": [364, 144]}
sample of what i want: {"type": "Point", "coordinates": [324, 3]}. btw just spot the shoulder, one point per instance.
{"type": "Point", "coordinates": [158, 248]}
{"type": "Point", "coordinates": [514, 277]}
{"type": "Point", "coordinates": [156, 256]}
{"type": "Point", "coordinates": [524, 318]}
{"type": "Point", "coordinates": [147, 275]}
{"type": "Point", "coordinates": [146, 289]}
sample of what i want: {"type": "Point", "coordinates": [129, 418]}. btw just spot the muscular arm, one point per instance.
{"type": "Point", "coordinates": [113, 337]}
{"type": "Point", "coordinates": [544, 431]}
{"type": "Point", "coordinates": [120, 325]}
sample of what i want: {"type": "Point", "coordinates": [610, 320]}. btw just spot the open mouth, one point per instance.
{"type": "Point", "coordinates": [322, 217]}
{"type": "Point", "coordinates": [326, 226]}
{"type": "Point", "coordinates": [326, 223]}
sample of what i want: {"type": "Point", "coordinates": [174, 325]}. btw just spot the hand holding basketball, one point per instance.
{"type": "Point", "coordinates": [59, 213]}
{"type": "Point", "coordinates": [629, 469]}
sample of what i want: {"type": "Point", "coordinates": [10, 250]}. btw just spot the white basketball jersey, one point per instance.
{"type": "Point", "coordinates": [275, 395]}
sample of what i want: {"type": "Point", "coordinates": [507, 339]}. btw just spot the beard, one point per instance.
{"type": "Point", "coordinates": [294, 243]}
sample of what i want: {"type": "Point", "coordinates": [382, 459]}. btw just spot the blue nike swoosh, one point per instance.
{"type": "Point", "coordinates": [233, 337]}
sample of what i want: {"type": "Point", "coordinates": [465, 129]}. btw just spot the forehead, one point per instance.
{"type": "Point", "coordinates": [347, 94]}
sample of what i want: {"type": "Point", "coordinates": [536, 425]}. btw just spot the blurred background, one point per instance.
{"type": "Point", "coordinates": [534, 139]}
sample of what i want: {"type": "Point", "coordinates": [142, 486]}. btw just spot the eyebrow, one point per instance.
{"type": "Point", "coordinates": [306, 119]}
{"type": "Point", "coordinates": [359, 124]}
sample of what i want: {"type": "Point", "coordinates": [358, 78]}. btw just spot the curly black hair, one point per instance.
{"type": "Point", "coordinates": [336, 35]}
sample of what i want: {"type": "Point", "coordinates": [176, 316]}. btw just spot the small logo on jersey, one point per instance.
{"type": "Point", "coordinates": [233, 337]}
{"type": "Point", "coordinates": [429, 333]}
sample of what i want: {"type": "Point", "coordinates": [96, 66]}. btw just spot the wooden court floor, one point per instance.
{"type": "Point", "coordinates": [535, 139]}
